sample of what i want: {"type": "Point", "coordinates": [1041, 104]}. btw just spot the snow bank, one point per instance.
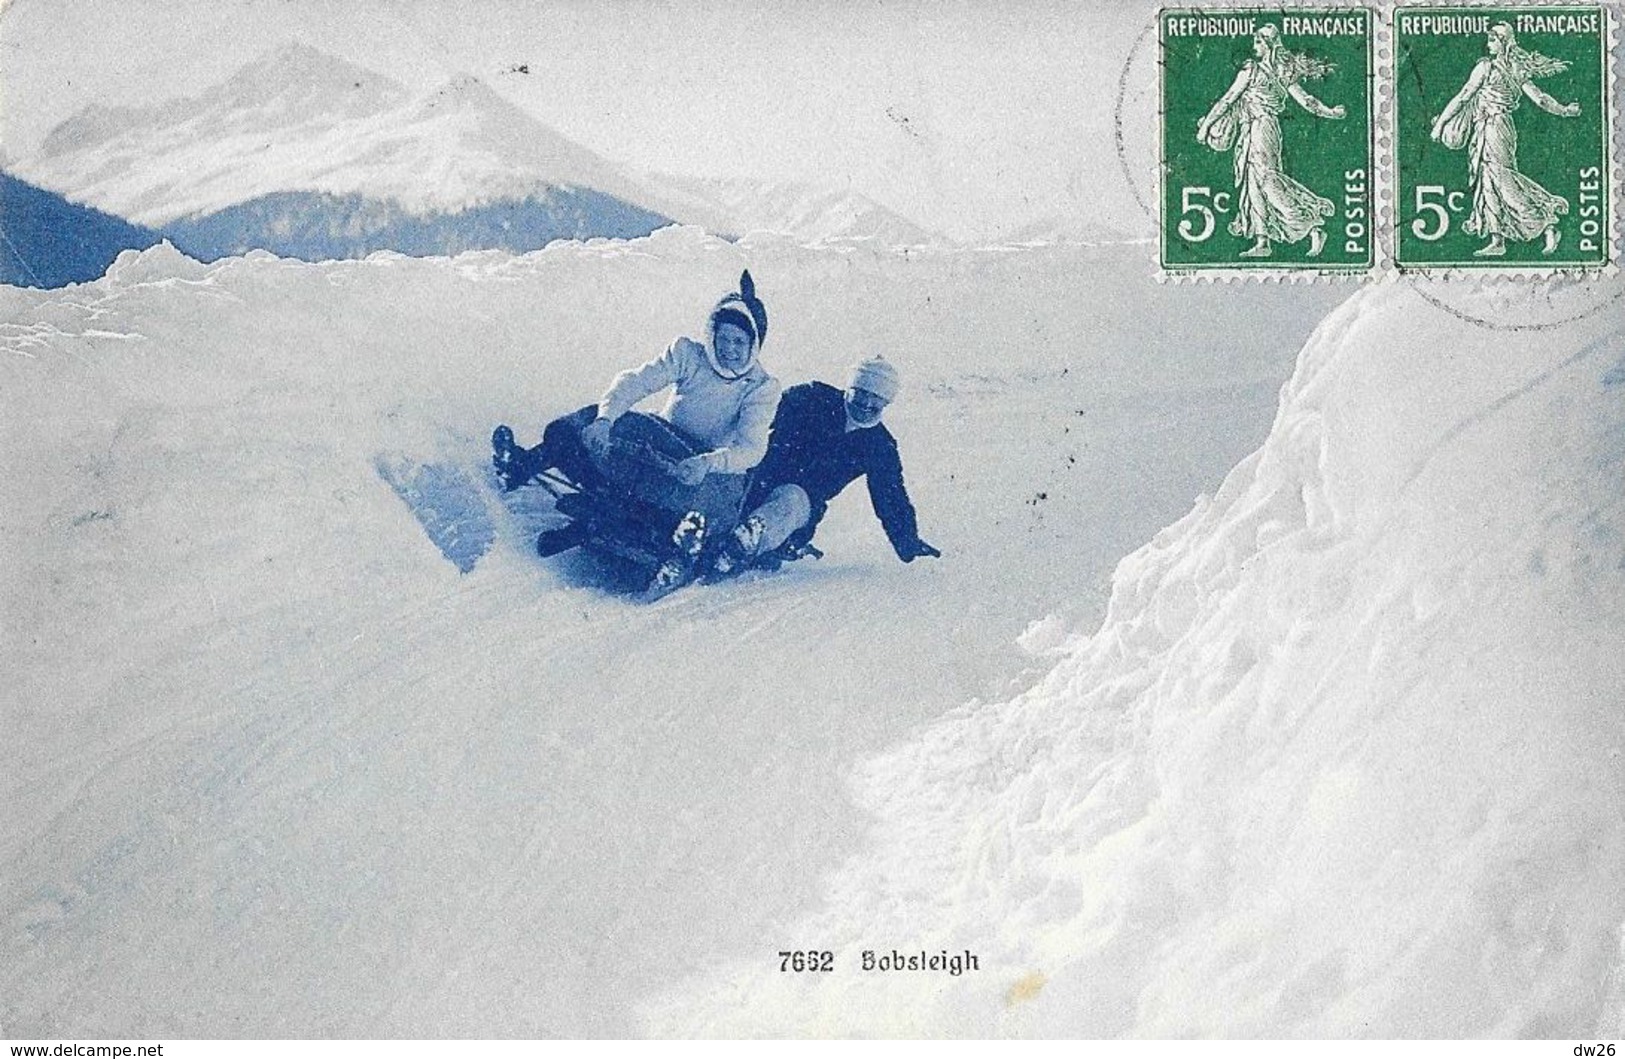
{"type": "Point", "coordinates": [1343, 759]}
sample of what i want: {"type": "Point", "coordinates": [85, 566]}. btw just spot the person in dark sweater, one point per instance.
{"type": "Point", "coordinates": [822, 440]}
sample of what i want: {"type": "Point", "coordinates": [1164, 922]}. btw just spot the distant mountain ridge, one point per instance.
{"type": "Point", "coordinates": [294, 81]}
{"type": "Point", "coordinates": [301, 121]}
{"type": "Point", "coordinates": [317, 226]}
{"type": "Point", "coordinates": [1065, 228]}
{"type": "Point", "coordinates": [813, 214]}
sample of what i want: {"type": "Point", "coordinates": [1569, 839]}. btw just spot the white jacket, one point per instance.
{"type": "Point", "coordinates": [728, 417]}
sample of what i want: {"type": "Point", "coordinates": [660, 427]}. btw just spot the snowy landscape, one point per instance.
{"type": "Point", "coordinates": [1269, 685]}
{"type": "Point", "coordinates": [308, 156]}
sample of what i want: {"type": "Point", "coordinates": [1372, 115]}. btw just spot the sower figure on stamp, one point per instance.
{"type": "Point", "coordinates": [1271, 207]}
{"type": "Point", "coordinates": [822, 441]}
{"type": "Point", "coordinates": [1506, 203]}
{"type": "Point", "coordinates": [713, 429]}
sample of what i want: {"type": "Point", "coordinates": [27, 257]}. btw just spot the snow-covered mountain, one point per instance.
{"type": "Point", "coordinates": [804, 212]}
{"type": "Point", "coordinates": [1070, 227]}
{"type": "Point", "coordinates": [300, 121]}
{"type": "Point", "coordinates": [292, 86]}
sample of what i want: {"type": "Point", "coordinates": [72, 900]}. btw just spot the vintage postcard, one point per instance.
{"type": "Point", "coordinates": [537, 520]}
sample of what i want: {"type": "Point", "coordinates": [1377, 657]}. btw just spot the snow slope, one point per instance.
{"type": "Point", "coordinates": [1344, 759]}
{"type": "Point", "coordinates": [276, 768]}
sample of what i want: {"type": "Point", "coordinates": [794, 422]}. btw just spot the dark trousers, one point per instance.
{"type": "Point", "coordinates": [643, 450]}
{"type": "Point", "coordinates": [562, 448]}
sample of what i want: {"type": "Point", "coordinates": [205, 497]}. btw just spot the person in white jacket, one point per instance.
{"type": "Point", "coordinates": [717, 416]}
{"type": "Point", "coordinates": [722, 403]}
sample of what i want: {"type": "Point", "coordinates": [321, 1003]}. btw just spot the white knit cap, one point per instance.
{"type": "Point", "coordinates": [878, 377]}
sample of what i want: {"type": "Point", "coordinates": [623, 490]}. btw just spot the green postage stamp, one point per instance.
{"type": "Point", "coordinates": [1502, 148]}
{"type": "Point", "coordinates": [1496, 124]}
{"type": "Point", "coordinates": [1267, 140]}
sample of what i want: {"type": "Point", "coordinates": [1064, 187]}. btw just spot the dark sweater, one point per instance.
{"type": "Point", "coordinates": [811, 447]}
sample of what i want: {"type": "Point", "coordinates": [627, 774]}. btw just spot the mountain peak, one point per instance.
{"type": "Point", "coordinates": [297, 71]}
{"type": "Point", "coordinates": [93, 125]}
{"type": "Point", "coordinates": [289, 85]}
{"type": "Point", "coordinates": [467, 91]}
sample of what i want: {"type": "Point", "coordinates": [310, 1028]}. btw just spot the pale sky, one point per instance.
{"type": "Point", "coordinates": [963, 115]}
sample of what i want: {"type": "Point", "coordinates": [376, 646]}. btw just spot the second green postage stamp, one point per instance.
{"type": "Point", "coordinates": [1502, 152]}
{"type": "Point", "coordinates": [1267, 140]}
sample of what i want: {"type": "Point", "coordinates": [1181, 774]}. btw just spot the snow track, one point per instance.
{"type": "Point", "coordinates": [278, 768]}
